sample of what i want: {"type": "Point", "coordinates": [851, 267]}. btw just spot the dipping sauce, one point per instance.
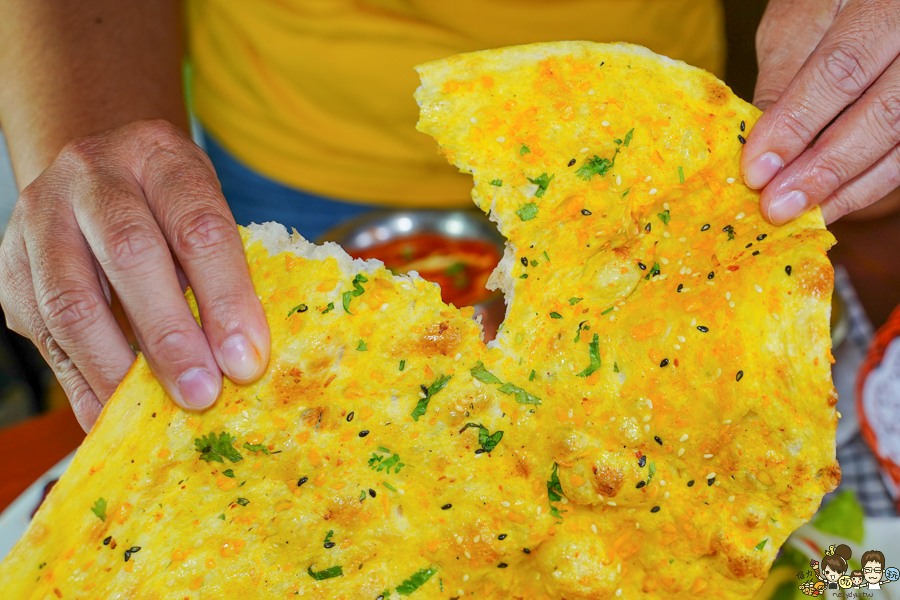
{"type": "Point", "coordinates": [460, 266]}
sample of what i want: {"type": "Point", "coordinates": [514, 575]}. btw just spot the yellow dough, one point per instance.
{"type": "Point", "coordinates": [655, 418]}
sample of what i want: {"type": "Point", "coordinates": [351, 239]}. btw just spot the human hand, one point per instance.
{"type": "Point", "coordinates": [822, 61]}
{"type": "Point", "coordinates": [108, 215]}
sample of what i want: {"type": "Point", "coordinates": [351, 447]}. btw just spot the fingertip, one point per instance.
{"type": "Point", "coordinates": [243, 360]}
{"type": "Point", "coordinates": [197, 389]}
{"type": "Point", "coordinates": [785, 207]}
{"type": "Point", "coordinates": [762, 169]}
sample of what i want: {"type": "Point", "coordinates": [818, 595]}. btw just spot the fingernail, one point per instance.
{"type": "Point", "coordinates": [240, 356]}
{"type": "Point", "coordinates": [762, 169]}
{"type": "Point", "coordinates": [787, 206]}
{"type": "Point", "coordinates": [198, 389]}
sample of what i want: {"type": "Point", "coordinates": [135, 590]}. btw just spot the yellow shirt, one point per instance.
{"type": "Point", "coordinates": [318, 94]}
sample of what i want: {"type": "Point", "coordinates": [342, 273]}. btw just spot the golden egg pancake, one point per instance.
{"type": "Point", "coordinates": [655, 418]}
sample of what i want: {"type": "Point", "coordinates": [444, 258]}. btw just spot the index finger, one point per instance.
{"type": "Point", "coordinates": [854, 52]}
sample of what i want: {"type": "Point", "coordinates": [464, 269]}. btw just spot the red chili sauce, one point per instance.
{"type": "Point", "coordinates": [461, 267]}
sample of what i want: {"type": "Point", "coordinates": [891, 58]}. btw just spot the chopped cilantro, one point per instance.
{"type": "Point", "coordinates": [581, 327]}
{"type": "Point", "coordinates": [359, 291]}
{"type": "Point", "coordinates": [680, 174]}
{"type": "Point", "coordinates": [416, 580]}
{"type": "Point", "coordinates": [212, 448]}
{"type": "Point", "coordinates": [630, 134]}
{"type": "Point", "coordinates": [595, 357]}
{"type": "Point", "coordinates": [546, 257]}
{"type": "Point", "coordinates": [542, 182]}
{"type": "Point", "coordinates": [762, 544]}
{"type": "Point", "coordinates": [626, 192]}
{"type": "Point", "coordinates": [228, 473]}
{"type": "Point", "coordinates": [242, 501]}
{"type": "Point", "coordinates": [523, 276]}
{"type": "Point", "coordinates": [555, 315]}
{"type": "Point", "coordinates": [487, 440]}
{"type": "Point", "coordinates": [329, 309]}
{"type": "Point", "coordinates": [533, 263]}
{"type": "Point", "coordinates": [615, 367]}
{"type": "Point", "coordinates": [388, 486]}
{"type": "Point", "coordinates": [99, 509]}
{"type": "Point", "coordinates": [664, 216]}
{"type": "Point", "coordinates": [528, 211]}
{"type": "Point", "coordinates": [362, 495]}
{"type": "Point", "coordinates": [653, 271]}
{"type": "Point", "coordinates": [326, 574]}
{"type": "Point", "coordinates": [522, 397]}
{"type": "Point", "coordinates": [554, 491]}
{"type": "Point", "coordinates": [346, 296]}
{"type": "Point", "coordinates": [652, 471]}
{"type": "Point", "coordinates": [439, 383]}
{"type": "Point", "coordinates": [329, 534]}
{"type": "Point", "coordinates": [361, 347]}
{"type": "Point", "coordinates": [497, 182]}
{"type": "Point", "coordinates": [482, 374]}
{"type": "Point", "coordinates": [299, 307]}
{"type": "Point", "coordinates": [222, 516]}
{"type": "Point", "coordinates": [607, 310]}
{"type": "Point", "coordinates": [255, 447]}
{"type": "Point", "coordinates": [402, 364]}
{"type": "Point", "coordinates": [524, 150]}
{"type": "Point", "coordinates": [596, 166]}
{"type": "Point", "coordinates": [380, 464]}
{"type": "Point", "coordinates": [532, 376]}
{"type": "Point", "coordinates": [574, 300]}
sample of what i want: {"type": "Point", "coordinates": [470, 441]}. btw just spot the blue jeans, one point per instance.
{"type": "Point", "coordinates": [254, 198]}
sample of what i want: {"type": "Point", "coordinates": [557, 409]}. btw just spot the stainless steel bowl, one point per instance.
{"type": "Point", "coordinates": [380, 227]}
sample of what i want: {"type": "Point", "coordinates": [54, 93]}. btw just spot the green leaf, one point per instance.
{"type": "Point", "coordinates": [402, 364]}
{"type": "Point", "coordinates": [361, 347]}
{"type": "Point", "coordinates": [611, 308]}
{"type": "Point", "coordinates": [523, 276]}
{"type": "Point", "coordinates": [554, 491]}
{"type": "Point", "coordinates": [528, 211]}
{"type": "Point", "coordinates": [533, 263]}
{"type": "Point", "coordinates": [213, 448]}
{"type": "Point", "coordinates": [242, 501]}
{"type": "Point", "coordinates": [626, 192]}
{"type": "Point", "coordinates": [546, 257]}
{"type": "Point", "coordinates": [326, 574]}
{"type": "Point", "coordinates": [522, 397]}
{"type": "Point", "coordinates": [594, 351]}
{"type": "Point", "coordinates": [482, 374]}
{"type": "Point", "coordinates": [652, 471]}
{"type": "Point", "coordinates": [379, 464]}
{"type": "Point", "coordinates": [346, 296]}
{"type": "Point", "coordinates": [329, 534]}
{"type": "Point", "coordinates": [842, 516]}
{"type": "Point", "coordinates": [542, 182]}
{"type": "Point", "coordinates": [497, 182]}
{"type": "Point", "coordinates": [99, 509]}
{"type": "Point", "coordinates": [487, 440]}
{"type": "Point", "coordinates": [596, 166]}
{"type": "Point", "coordinates": [680, 174]}
{"type": "Point", "coordinates": [439, 383]}
{"type": "Point", "coordinates": [228, 473]}
{"type": "Point", "coordinates": [615, 367]}
{"type": "Point", "coordinates": [222, 516]}
{"type": "Point", "coordinates": [628, 137]}
{"type": "Point", "coordinates": [299, 307]}
{"type": "Point", "coordinates": [415, 581]}
{"type": "Point", "coordinates": [531, 377]}
{"type": "Point", "coordinates": [555, 315]}
{"type": "Point", "coordinates": [664, 216]}
{"type": "Point", "coordinates": [524, 150]}
{"type": "Point", "coordinates": [388, 486]}
{"type": "Point", "coordinates": [359, 290]}
{"type": "Point", "coordinates": [329, 309]}
{"type": "Point", "coordinates": [581, 327]}
{"type": "Point", "coordinates": [362, 495]}
{"type": "Point", "coordinates": [762, 544]}
{"type": "Point", "coordinates": [574, 300]}
{"type": "Point", "coordinates": [255, 447]}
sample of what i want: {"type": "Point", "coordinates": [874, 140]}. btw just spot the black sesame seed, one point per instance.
{"type": "Point", "coordinates": [741, 139]}
{"type": "Point", "coordinates": [642, 266]}
{"type": "Point", "coordinates": [640, 484]}
{"type": "Point", "coordinates": [350, 416]}
{"type": "Point", "coordinates": [658, 441]}
{"type": "Point", "coordinates": [424, 389]}
{"type": "Point", "coordinates": [711, 275]}
{"type": "Point", "coordinates": [654, 272]}
{"type": "Point", "coordinates": [702, 328]}
{"type": "Point", "coordinates": [571, 162]}
{"type": "Point", "coordinates": [680, 287]}
{"type": "Point", "coordinates": [502, 536]}
{"type": "Point", "coordinates": [664, 363]}
{"type": "Point", "coordinates": [134, 549]}
{"type": "Point", "coordinates": [302, 308]}
{"type": "Point", "coordinates": [642, 460]}
{"type": "Point", "coordinates": [760, 237]}
{"type": "Point", "coordinates": [524, 261]}
{"type": "Point", "coordinates": [748, 245]}
{"type": "Point", "coordinates": [107, 541]}
{"type": "Point", "coordinates": [480, 451]}
{"type": "Point", "coordinates": [371, 492]}
{"type": "Point", "coordinates": [127, 555]}
{"type": "Point", "coordinates": [586, 212]}
{"type": "Point", "coordinates": [655, 509]}
{"type": "Point", "coordinates": [691, 483]}
{"type": "Point", "coordinates": [502, 566]}
{"type": "Point", "coordinates": [728, 228]}
{"type": "Point", "coordinates": [755, 252]}
{"type": "Point", "coordinates": [710, 481]}
{"type": "Point", "coordinates": [647, 228]}
{"type": "Point", "coordinates": [526, 550]}
{"type": "Point", "coordinates": [302, 481]}
{"type": "Point", "coordinates": [787, 270]}
{"type": "Point", "coordinates": [705, 227]}
{"type": "Point", "coordinates": [329, 544]}
{"type": "Point", "coordinates": [364, 433]}
{"type": "Point", "coordinates": [446, 506]}
{"type": "Point", "coordinates": [739, 376]}
{"type": "Point", "coordinates": [743, 126]}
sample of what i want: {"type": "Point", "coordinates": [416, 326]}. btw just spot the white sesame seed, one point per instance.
{"type": "Point", "coordinates": [618, 180]}
{"type": "Point", "coordinates": [605, 123]}
{"type": "Point", "coordinates": [664, 260]}
{"type": "Point", "coordinates": [246, 414]}
{"type": "Point", "coordinates": [740, 215]}
{"type": "Point", "coordinates": [682, 239]}
{"type": "Point", "coordinates": [504, 504]}
{"type": "Point", "coordinates": [467, 554]}
{"type": "Point", "coordinates": [648, 178]}
{"type": "Point", "coordinates": [733, 518]}
{"type": "Point", "coordinates": [421, 395]}
{"type": "Point", "coordinates": [710, 475]}
{"type": "Point", "coordinates": [683, 438]}
{"type": "Point", "coordinates": [693, 322]}
{"type": "Point", "coordinates": [666, 234]}
{"type": "Point", "coordinates": [646, 429]}
{"type": "Point", "coordinates": [731, 498]}
{"type": "Point", "coordinates": [477, 539]}
{"type": "Point", "coordinates": [591, 92]}
{"type": "Point", "coordinates": [647, 418]}
{"type": "Point", "coordinates": [687, 270]}
{"type": "Point", "coordinates": [730, 180]}
{"type": "Point", "coordinates": [681, 452]}
{"type": "Point", "coordinates": [612, 317]}
{"type": "Point", "coordinates": [476, 383]}
{"type": "Point", "coordinates": [676, 346]}
{"type": "Point", "coordinates": [458, 356]}
{"type": "Point", "coordinates": [405, 286]}
{"type": "Point", "coordinates": [571, 412]}
{"type": "Point", "coordinates": [170, 583]}
{"type": "Point", "coordinates": [776, 317]}
{"type": "Point", "coordinates": [685, 289]}
{"type": "Point", "coordinates": [757, 288]}
{"type": "Point", "coordinates": [731, 304]}
{"type": "Point", "coordinates": [682, 339]}
{"type": "Point", "coordinates": [473, 120]}
{"type": "Point", "coordinates": [539, 509]}
{"type": "Point", "coordinates": [665, 205]}
{"type": "Point", "coordinates": [594, 528]}
{"type": "Point", "coordinates": [662, 482]}
{"type": "Point", "coordinates": [728, 295]}
{"type": "Point", "coordinates": [616, 308]}
{"type": "Point", "coordinates": [727, 421]}
{"type": "Point", "coordinates": [619, 591]}
{"type": "Point", "coordinates": [564, 500]}
{"type": "Point", "coordinates": [652, 191]}
{"type": "Point", "coordinates": [666, 495]}
{"type": "Point", "coordinates": [583, 150]}
{"type": "Point", "coordinates": [611, 419]}
{"type": "Point", "coordinates": [611, 503]}
{"type": "Point", "coordinates": [649, 404]}
{"type": "Point", "coordinates": [400, 491]}
{"type": "Point", "coordinates": [707, 456]}
{"type": "Point", "coordinates": [619, 568]}
{"type": "Point", "coordinates": [681, 272]}
{"type": "Point", "coordinates": [501, 139]}
{"type": "Point", "coordinates": [465, 577]}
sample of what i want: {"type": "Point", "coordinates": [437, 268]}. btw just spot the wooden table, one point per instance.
{"type": "Point", "coordinates": [869, 250]}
